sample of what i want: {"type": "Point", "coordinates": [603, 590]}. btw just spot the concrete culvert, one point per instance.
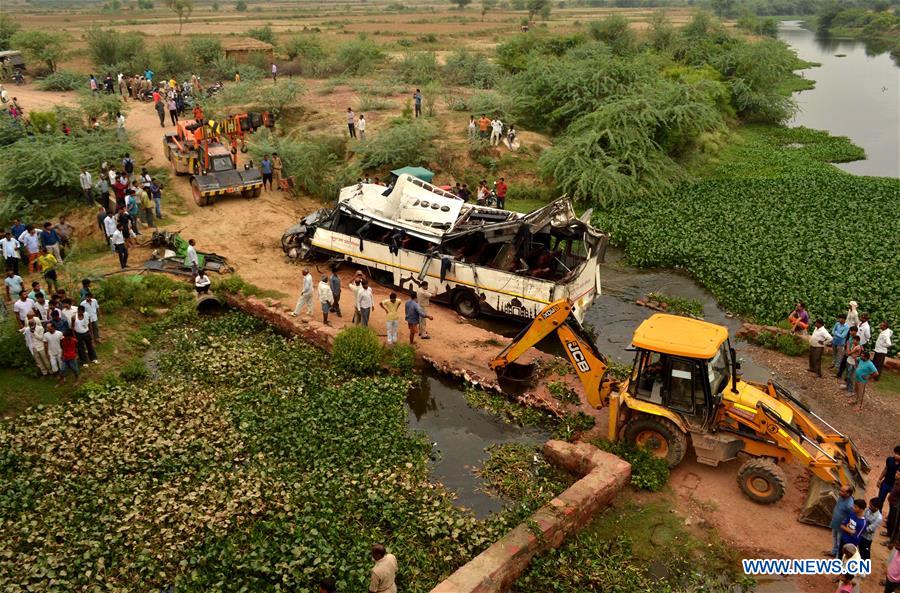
{"type": "Point", "coordinates": [208, 304]}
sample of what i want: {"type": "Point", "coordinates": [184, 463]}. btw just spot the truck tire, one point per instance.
{"type": "Point", "coordinates": [761, 480]}
{"type": "Point", "coordinates": [256, 192]}
{"type": "Point", "coordinates": [658, 435]}
{"type": "Point", "coordinates": [465, 302]}
{"type": "Point", "coordinates": [199, 198]}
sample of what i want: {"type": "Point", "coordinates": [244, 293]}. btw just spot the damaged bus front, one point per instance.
{"type": "Point", "coordinates": [478, 260]}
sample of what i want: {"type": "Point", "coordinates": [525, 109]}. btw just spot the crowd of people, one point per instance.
{"type": "Point", "coordinates": [330, 289]}
{"type": "Point", "coordinates": [855, 524]}
{"type": "Point", "coordinates": [491, 130]}
{"type": "Point", "coordinates": [853, 359]}
{"type": "Point", "coordinates": [58, 333]}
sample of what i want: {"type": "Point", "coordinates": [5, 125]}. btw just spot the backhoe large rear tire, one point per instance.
{"type": "Point", "coordinates": [761, 480]}
{"type": "Point", "coordinates": [658, 435]}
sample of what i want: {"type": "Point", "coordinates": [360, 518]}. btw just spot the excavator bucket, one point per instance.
{"type": "Point", "coordinates": [822, 497]}
{"type": "Point", "coordinates": [515, 378]}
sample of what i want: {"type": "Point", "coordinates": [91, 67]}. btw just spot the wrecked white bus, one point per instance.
{"type": "Point", "coordinates": [479, 260]}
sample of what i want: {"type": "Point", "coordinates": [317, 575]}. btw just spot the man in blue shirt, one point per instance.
{"type": "Point", "coordinates": [414, 315]}
{"type": "Point", "coordinates": [417, 100]}
{"type": "Point", "coordinates": [265, 167]}
{"type": "Point", "coordinates": [853, 526]}
{"type": "Point", "coordinates": [865, 368]}
{"type": "Point", "coordinates": [888, 475]}
{"type": "Point", "coordinates": [842, 509]}
{"type": "Point", "coordinates": [50, 240]}
{"type": "Point", "coordinates": [838, 339]}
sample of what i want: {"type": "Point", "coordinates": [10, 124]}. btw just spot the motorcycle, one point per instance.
{"type": "Point", "coordinates": [490, 201]}
{"type": "Point", "coordinates": [18, 77]}
{"type": "Point", "coordinates": [214, 90]}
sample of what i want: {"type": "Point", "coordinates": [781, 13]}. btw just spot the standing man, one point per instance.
{"type": "Point", "coordinates": [173, 109]}
{"type": "Point", "coordinates": [355, 286]}
{"type": "Point", "coordinates": [326, 298]}
{"type": "Point", "coordinates": [414, 316]}
{"type": "Point", "coordinates": [48, 262]}
{"type": "Point", "coordinates": [156, 194]}
{"type": "Point", "coordinates": [31, 241]}
{"type": "Point", "coordinates": [817, 342]}
{"type": "Point", "coordinates": [161, 112]}
{"type": "Point", "coordinates": [335, 282]}
{"type": "Point", "coordinates": [277, 166]}
{"type": "Point", "coordinates": [391, 308]}
{"type": "Point", "coordinates": [14, 286]}
{"type": "Point", "coordinates": [886, 479]}
{"type": "Point", "coordinates": [864, 370]}
{"type": "Point", "coordinates": [23, 308]}
{"type": "Point", "coordinates": [496, 131]}
{"type": "Point", "coordinates": [109, 227]}
{"type": "Point", "coordinates": [147, 207]}
{"type": "Point", "coordinates": [873, 522]}
{"type": "Point", "coordinates": [87, 185]}
{"type": "Point", "coordinates": [102, 187]}
{"type": "Point", "coordinates": [501, 188]}
{"type": "Point", "coordinates": [842, 509]}
{"type": "Point", "coordinates": [53, 347]}
{"type": "Point", "coordinates": [853, 526]}
{"type": "Point", "coordinates": [865, 330]}
{"type": "Point", "coordinates": [117, 240]}
{"type": "Point", "coordinates": [417, 101]}
{"type": "Point", "coordinates": [274, 73]}
{"type": "Point", "coordinates": [882, 343]}
{"type": "Point", "coordinates": [306, 293]}
{"type": "Point", "coordinates": [69, 355]}
{"type": "Point", "coordinates": [51, 240]}
{"type": "Point", "coordinates": [265, 167]}
{"type": "Point", "coordinates": [384, 572]}
{"type": "Point", "coordinates": [92, 314]}
{"type": "Point", "coordinates": [34, 339]}
{"type": "Point", "coordinates": [364, 301]}
{"type": "Point", "coordinates": [839, 333]}
{"type": "Point", "coordinates": [128, 167]}
{"type": "Point", "coordinates": [120, 126]}
{"type": "Point", "coordinates": [361, 126]}
{"type": "Point", "coordinates": [472, 127]}
{"type": "Point", "coordinates": [424, 299]}
{"type": "Point", "coordinates": [484, 125]}
{"type": "Point", "coordinates": [191, 258]}
{"type": "Point", "coordinates": [82, 327]}
{"type": "Point", "coordinates": [10, 249]}
{"type": "Point", "coordinates": [351, 119]}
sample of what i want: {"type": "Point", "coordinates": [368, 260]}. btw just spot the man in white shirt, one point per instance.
{"type": "Point", "coordinates": [92, 313]}
{"type": "Point", "coordinates": [120, 126]}
{"type": "Point", "coordinates": [882, 344]}
{"type": "Point", "coordinates": [9, 247]}
{"type": "Point", "coordinates": [87, 185]}
{"type": "Point", "coordinates": [274, 73]}
{"type": "Point", "coordinates": [109, 227]}
{"type": "Point", "coordinates": [41, 306]}
{"type": "Point", "coordinates": [326, 298]}
{"type": "Point", "coordinates": [865, 330]}
{"type": "Point", "coordinates": [82, 328]}
{"type": "Point", "coordinates": [384, 572]}
{"type": "Point", "coordinates": [364, 302]}
{"type": "Point", "coordinates": [354, 286]}
{"type": "Point", "coordinates": [29, 238]}
{"type": "Point", "coordinates": [53, 347]}
{"type": "Point", "coordinates": [361, 127]}
{"type": "Point", "coordinates": [306, 294]}
{"type": "Point", "coordinates": [34, 339]}
{"type": "Point", "coordinates": [191, 258]}
{"type": "Point", "coordinates": [14, 286]}
{"type": "Point", "coordinates": [22, 308]}
{"type": "Point", "coordinates": [819, 339]}
{"type": "Point", "coordinates": [68, 312]}
{"type": "Point", "coordinates": [496, 131]}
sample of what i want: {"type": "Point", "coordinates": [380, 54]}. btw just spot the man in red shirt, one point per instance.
{"type": "Point", "coordinates": [69, 356]}
{"type": "Point", "coordinates": [500, 187]}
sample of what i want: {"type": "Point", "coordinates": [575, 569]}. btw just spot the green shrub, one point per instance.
{"type": "Point", "coordinates": [133, 371]}
{"type": "Point", "coordinates": [648, 472]}
{"type": "Point", "coordinates": [264, 33]}
{"type": "Point", "coordinates": [108, 47]}
{"type": "Point", "coordinates": [359, 56]}
{"type": "Point", "coordinates": [370, 103]}
{"type": "Point", "coordinates": [405, 142]}
{"type": "Point", "coordinates": [221, 68]}
{"type": "Point", "coordinates": [615, 31]}
{"type": "Point", "coordinates": [204, 50]}
{"type": "Point", "coordinates": [678, 305]}
{"type": "Point", "coordinates": [401, 357]}
{"type": "Point", "coordinates": [471, 69]}
{"type": "Point", "coordinates": [172, 60]}
{"type": "Point", "coordinates": [356, 351]}
{"type": "Point", "coordinates": [13, 352]}
{"type": "Point", "coordinates": [306, 47]}
{"type": "Point", "coordinates": [418, 67]}
{"type": "Point", "coordinates": [315, 163]}
{"type": "Point", "coordinates": [101, 105]}
{"type": "Point", "coordinates": [788, 344]}
{"type": "Point", "coordinates": [234, 284]}
{"type": "Point", "coordinates": [62, 80]}
{"type": "Point", "coordinates": [137, 292]}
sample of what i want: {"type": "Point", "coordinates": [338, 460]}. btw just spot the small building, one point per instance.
{"type": "Point", "coordinates": [242, 49]}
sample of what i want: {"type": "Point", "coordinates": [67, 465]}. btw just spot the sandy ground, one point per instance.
{"type": "Point", "coordinates": [248, 233]}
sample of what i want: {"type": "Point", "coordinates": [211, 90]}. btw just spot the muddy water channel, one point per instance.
{"type": "Point", "coordinates": [460, 436]}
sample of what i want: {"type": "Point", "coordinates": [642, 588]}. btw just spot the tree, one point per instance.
{"type": "Point", "coordinates": [215, 6]}
{"type": "Point", "coordinates": [537, 7]}
{"type": "Point", "coordinates": [545, 11]}
{"type": "Point", "coordinates": [8, 28]}
{"type": "Point", "coordinates": [182, 8]}
{"type": "Point", "coordinates": [41, 45]}
{"type": "Point", "coordinates": [240, 6]}
{"type": "Point", "coordinates": [460, 4]}
{"type": "Point", "coordinates": [487, 5]}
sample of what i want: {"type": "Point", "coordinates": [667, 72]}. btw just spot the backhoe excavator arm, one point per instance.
{"type": "Point", "coordinates": [587, 361]}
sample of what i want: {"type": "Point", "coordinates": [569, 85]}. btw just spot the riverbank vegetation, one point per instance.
{"type": "Point", "coordinates": [875, 23]}
{"type": "Point", "coordinates": [756, 227]}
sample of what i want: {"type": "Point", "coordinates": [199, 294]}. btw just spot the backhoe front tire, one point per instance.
{"type": "Point", "coordinates": [761, 480]}
{"type": "Point", "coordinates": [659, 436]}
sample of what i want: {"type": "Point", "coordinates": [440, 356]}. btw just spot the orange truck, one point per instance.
{"type": "Point", "coordinates": [207, 150]}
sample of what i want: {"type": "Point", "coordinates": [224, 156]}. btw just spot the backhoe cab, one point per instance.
{"type": "Point", "coordinates": [685, 389]}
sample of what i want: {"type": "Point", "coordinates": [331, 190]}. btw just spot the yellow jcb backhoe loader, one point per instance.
{"type": "Point", "coordinates": [685, 387]}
